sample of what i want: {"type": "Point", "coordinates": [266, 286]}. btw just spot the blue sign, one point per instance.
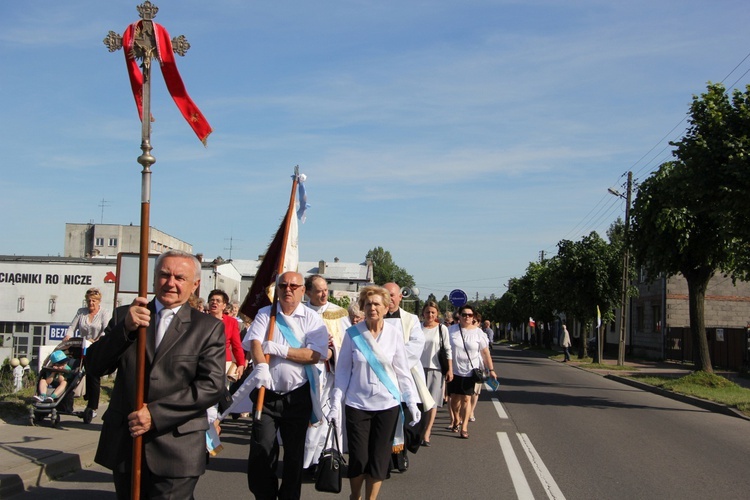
{"type": "Point", "coordinates": [57, 332]}
{"type": "Point", "coordinates": [458, 297]}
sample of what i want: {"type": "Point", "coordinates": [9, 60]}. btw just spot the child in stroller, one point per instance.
{"type": "Point", "coordinates": [61, 374]}
{"type": "Point", "coordinates": [53, 378]}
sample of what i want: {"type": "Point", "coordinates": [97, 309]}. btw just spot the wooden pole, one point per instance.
{"type": "Point", "coordinates": [279, 269]}
{"type": "Point", "coordinates": [145, 159]}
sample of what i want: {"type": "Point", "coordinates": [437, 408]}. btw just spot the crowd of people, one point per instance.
{"type": "Point", "coordinates": [375, 370]}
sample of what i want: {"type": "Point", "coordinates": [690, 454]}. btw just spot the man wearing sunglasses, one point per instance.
{"type": "Point", "coordinates": [300, 338]}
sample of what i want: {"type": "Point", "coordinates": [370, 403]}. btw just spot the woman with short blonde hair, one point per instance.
{"type": "Point", "coordinates": [90, 322]}
{"type": "Point", "coordinates": [372, 377]}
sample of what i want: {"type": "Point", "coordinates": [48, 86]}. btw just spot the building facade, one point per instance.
{"type": "Point", "coordinates": [108, 240]}
{"type": "Point", "coordinates": [39, 296]}
{"type": "Point", "coordinates": [661, 312]}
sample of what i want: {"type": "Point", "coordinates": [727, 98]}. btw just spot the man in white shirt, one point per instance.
{"type": "Point", "coordinates": [336, 319]}
{"type": "Point", "coordinates": [288, 404]}
{"type": "Point", "coordinates": [408, 324]}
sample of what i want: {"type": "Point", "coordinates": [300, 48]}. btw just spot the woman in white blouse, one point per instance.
{"type": "Point", "coordinates": [90, 322]}
{"type": "Point", "coordinates": [435, 334]}
{"type": "Point", "coordinates": [372, 377]}
{"type": "Point", "coordinates": [470, 346]}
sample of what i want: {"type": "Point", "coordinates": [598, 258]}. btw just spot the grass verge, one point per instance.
{"type": "Point", "coordinates": [703, 385]}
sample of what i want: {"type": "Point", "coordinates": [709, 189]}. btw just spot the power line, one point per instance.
{"type": "Point", "coordinates": [592, 220]}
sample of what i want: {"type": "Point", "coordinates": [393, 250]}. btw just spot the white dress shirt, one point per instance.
{"type": "Point", "coordinates": [310, 331]}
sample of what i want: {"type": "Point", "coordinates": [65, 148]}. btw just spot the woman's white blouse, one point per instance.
{"type": "Point", "coordinates": [432, 346]}
{"type": "Point", "coordinates": [89, 330]}
{"type": "Point", "coordinates": [476, 341]}
{"type": "Point", "coordinates": [358, 384]}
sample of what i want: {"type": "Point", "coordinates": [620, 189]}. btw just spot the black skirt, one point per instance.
{"type": "Point", "coordinates": [461, 385]}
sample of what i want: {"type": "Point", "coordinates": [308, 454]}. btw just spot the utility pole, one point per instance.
{"type": "Point", "coordinates": [625, 274]}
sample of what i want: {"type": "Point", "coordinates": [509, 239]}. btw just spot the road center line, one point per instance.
{"type": "Point", "coordinates": [516, 472]}
{"type": "Point", "coordinates": [550, 486]}
{"type": "Point", "coordinates": [499, 409]}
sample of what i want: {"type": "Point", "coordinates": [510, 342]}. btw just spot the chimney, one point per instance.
{"type": "Point", "coordinates": [322, 267]}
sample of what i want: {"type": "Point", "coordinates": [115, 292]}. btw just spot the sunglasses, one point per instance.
{"type": "Point", "coordinates": [292, 286]}
{"type": "Point", "coordinates": [467, 315]}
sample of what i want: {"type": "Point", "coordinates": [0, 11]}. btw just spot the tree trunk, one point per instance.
{"type": "Point", "coordinates": [697, 281]}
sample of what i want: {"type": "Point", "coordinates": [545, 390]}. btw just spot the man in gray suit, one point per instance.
{"type": "Point", "coordinates": [185, 358]}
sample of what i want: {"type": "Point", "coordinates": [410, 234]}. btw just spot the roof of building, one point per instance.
{"type": "Point", "coordinates": [58, 259]}
{"type": "Point", "coordinates": [333, 270]}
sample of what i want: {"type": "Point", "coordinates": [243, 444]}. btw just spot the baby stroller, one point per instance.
{"type": "Point", "coordinates": [65, 360]}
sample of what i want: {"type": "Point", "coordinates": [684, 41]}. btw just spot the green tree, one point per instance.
{"type": "Point", "coordinates": [691, 216]}
{"type": "Point", "coordinates": [445, 305]}
{"type": "Point", "coordinates": [344, 301]}
{"type": "Point", "coordinates": [386, 271]}
{"type": "Point", "coordinates": [588, 275]}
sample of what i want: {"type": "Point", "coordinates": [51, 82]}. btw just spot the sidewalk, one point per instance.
{"type": "Point", "coordinates": [672, 369]}
{"type": "Point", "coordinates": [35, 455]}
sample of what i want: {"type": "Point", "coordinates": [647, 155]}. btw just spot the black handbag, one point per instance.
{"type": "Point", "coordinates": [477, 375]}
{"type": "Point", "coordinates": [330, 464]}
{"type": "Point", "coordinates": [442, 353]}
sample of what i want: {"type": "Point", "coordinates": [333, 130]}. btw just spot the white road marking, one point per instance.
{"type": "Point", "coordinates": [499, 408]}
{"type": "Point", "coordinates": [516, 473]}
{"type": "Point", "coordinates": [550, 486]}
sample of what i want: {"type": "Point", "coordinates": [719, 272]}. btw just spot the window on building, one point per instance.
{"type": "Point", "coordinates": [99, 242]}
{"type": "Point", "coordinates": [6, 334]}
{"type": "Point", "coordinates": [639, 318]}
{"type": "Point", "coordinates": [113, 242]}
{"type": "Point", "coordinates": [21, 347]}
{"type": "Point", "coordinates": [655, 318]}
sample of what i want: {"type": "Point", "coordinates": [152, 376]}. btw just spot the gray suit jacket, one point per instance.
{"type": "Point", "coordinates": [183, 379]}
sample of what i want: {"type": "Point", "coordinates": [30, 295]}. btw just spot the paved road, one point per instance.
{"type": "Point", "coordinates": [553, 431]}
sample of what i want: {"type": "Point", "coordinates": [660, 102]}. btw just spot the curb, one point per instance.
{"type": "Point", "coordinates": [44, 470]}
{"type": "Point", "coordinates": [691, 400]}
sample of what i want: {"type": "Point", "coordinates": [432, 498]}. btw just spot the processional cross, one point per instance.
{"type": "Point", "coordinates": [143, 41]}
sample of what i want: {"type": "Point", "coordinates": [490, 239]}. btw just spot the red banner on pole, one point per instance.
{"type": "Point", "coordinates": [172, 78]}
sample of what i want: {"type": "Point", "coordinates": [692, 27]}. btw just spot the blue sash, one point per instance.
{"type": "Point", "coordinates": [372, 360]}
{"type": "Point", "coordinates": [294, 342]}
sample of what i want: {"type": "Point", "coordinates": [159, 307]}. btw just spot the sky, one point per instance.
{"type": "Point", "coordinates": [465, 137]}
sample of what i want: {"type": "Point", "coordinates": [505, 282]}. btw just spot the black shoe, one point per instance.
{"type": "Point", "coordinates": [425, 443]}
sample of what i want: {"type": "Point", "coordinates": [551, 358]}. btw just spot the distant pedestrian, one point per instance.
{"type": "Point", "coordinates": [487, 328]}
{"type": "Point", "coordinates": [566, 344]}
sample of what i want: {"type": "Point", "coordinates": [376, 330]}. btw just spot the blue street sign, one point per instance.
{"type": "Point", "coordinates": [458, 297]}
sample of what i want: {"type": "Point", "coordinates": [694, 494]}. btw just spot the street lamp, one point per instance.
{"type": "Point", "coordinates": [625, 269]}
